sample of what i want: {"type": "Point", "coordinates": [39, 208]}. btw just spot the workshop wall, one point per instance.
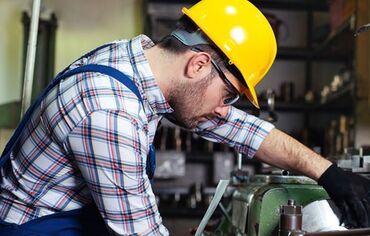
{"type": "Point", "coordinates": [82, 26]}
{"type": "Point", "coordinates": [10, 49]}
{"type": "Point", "coordinates": [11, 41]}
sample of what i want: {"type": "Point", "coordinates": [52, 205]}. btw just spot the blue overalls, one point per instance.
{"type": "Point", "coordinates": [84, 221]}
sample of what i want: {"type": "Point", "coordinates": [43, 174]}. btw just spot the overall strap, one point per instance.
{"type": "Point", "coordinates": [86, 55]}
{"type": "Point", "coordinates": [13, 140]}
{"type": "Point", "coordinates": [87, 68]}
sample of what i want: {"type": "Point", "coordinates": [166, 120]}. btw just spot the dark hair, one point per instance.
{"type": "Point", "coordinates": [173, 45]}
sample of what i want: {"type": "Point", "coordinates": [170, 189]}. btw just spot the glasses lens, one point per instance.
{"type": "Point", "coordinates": [231, 99]}
{"type": "Point", "coordinates": [232, 94]}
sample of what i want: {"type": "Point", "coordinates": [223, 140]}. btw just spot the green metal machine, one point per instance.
{"type": "Point", "coordinates": [264, 205]}
{"type": "Point", "coordinates": [255, 203]}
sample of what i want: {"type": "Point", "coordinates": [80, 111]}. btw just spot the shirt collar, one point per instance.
{"type": "Point", "coordinates": [152, 92]}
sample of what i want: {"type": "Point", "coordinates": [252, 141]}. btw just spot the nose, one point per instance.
{"type": "Point", "coordinates": [221, 111]}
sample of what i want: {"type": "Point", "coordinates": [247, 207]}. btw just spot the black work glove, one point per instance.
{"type": "Point", "coordinates": [351, 193]}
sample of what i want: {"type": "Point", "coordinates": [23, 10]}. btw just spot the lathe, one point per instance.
{"type": "Point", "coordinates": [273, 205]}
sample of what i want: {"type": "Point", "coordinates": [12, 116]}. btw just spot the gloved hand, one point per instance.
{"type": "Point", "coordinates": [351, 193]}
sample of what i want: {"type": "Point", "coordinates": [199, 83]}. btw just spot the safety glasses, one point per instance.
{"type": "Point", "coordinates": [233, 94]}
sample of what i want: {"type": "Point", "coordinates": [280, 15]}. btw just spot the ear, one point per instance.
{"type": "Point", "coordinates": [199, 65]}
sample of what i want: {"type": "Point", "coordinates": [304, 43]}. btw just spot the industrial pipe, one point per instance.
{"type": "Point", "coordinates": [30, 58]}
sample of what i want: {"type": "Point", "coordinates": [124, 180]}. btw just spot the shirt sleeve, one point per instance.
{"type": "Point", "coordinates": [110, 149]}
{"type": "Point", "coordinates": [238, 129]}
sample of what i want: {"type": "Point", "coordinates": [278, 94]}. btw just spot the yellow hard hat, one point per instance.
{"type": "Point", "coordinates": [242, 33]}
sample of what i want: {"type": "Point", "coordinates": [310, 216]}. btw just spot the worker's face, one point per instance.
{"type": "Point", "coordinates": [186, 99]}
{"type": "Point", "coordinates": [195, 102]}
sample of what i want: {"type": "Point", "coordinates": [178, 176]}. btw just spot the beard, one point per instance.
{"type": "Point", "coordinates": [186, 99]}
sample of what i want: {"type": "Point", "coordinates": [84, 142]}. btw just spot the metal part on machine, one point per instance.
{"type": "Point", "coordinates": [290, 219]}
{"type": "Point", "coordinates": [239, 176]}
{"type": "Point", "coordinates": [259, 207]}
{"type": "Point", "coordinates": [282, 179]}
{"type": "Point", "coordinates": [220, 190]}
{"type": "Point", "coordinates": [239, 215]}
{"type": "Point", "coordinates": [256, 204]}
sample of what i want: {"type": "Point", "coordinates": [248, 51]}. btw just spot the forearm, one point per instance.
{"type": "Point", "coordinates": [239, 130]}
{"type": "Point", "coordinates": [281, 150]}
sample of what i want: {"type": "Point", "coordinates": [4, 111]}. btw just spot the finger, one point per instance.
{"type": "Point", "coordinates": [343, 210]}
{"type": "Point", "coordinates": [347, 216]}
{"type": "Point", "coordinates": [359, 212]}
{"type": "Point", "coordinates": [366, 203]}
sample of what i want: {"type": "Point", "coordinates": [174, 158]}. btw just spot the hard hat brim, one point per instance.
{"type": "Point", "coordinates": [250, 93]}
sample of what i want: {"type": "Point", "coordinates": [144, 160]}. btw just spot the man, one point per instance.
{"type": "Point", "coordinates": [79, 164]}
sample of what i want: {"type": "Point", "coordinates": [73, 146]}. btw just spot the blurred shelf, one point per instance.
{"type": "Point", "coordinates": [339, 44]}
{"type": "Point", "coordinates": [170, 191]}
{"type": "Point", "coordinates": [182, 190]}
{"type": "Point", "coordinates": [180, 210]}
{"type": "Point", "coordinates": [341, 102]}
{"type": "Point", "coordinates": [304, 5]}
{"type": "Point", "coordinates": [182, 2]}
{"type": "Point", "coordinates": [203, 157]}
{"type": "Point", "coordinates": [291, 53]}
{"type": "Point", "coordinates": [200, 157]}
{"type": "Point", "coordinates": [344, 99]}
{"type": "Point", "coordinates": [184, 212]}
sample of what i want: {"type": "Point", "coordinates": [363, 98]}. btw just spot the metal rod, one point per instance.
{"type": "Point", "coordinates": [240, 159]}
{"type": "Point", "coordinates": [220, 190]}
{"type": "Point", "coordinates": [224, 212]}
{"type": "Point", "coordinates": [31, 55]}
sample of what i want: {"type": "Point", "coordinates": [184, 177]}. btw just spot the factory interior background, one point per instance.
{"type": "Point", "coordinates": [318, 89]}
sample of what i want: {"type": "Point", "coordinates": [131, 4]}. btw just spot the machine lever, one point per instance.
{"type": "Point", "coordinates": [220, 190]}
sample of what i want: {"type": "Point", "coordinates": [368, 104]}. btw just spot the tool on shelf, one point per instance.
{"type": "Point", "coordinates": [362, 29]}
{"type": "Point", "coordinates": [272, 116]}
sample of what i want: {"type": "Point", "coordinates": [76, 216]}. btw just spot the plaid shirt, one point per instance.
{"type": "Point", "coordinates": [88, 142]}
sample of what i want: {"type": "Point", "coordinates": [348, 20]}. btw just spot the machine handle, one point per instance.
{"type": "Point", "coordinates": [220, 190]}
